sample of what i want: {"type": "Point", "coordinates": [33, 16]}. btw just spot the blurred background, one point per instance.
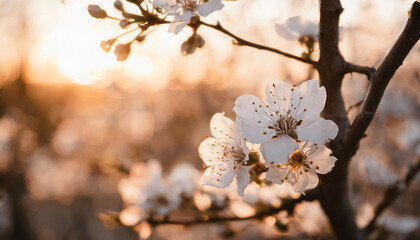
{"type": "Point", "coordinates": [73, 119]}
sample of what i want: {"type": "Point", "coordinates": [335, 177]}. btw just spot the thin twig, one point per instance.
{"type": "Point", "coordinates": [351, 107]}
{"type": "Point", "coordinates": [243, 42]}
{"type": "Point", "coordinates": [392, 193]}
{"type": "Point", "coordinates": [368, 71]}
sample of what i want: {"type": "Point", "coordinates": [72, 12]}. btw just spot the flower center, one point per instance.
{"type": "Point", "coordinates": [297, 160]}
{"type": "Point", "coordinates": [285, 125]}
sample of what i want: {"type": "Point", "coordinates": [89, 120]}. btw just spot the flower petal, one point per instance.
{"type": "Point", "coordinates": [278, 150]}
{"type": "Point", "coordinates": [278, 96]}
{"type": "Point", "coordinates": [276, 174]}
{"type": "Point", "coordinates": [222, 127]}
{"type": "Point", "coordinates": [318, 131]}
{"type": "Point", "coordinates": [180, 21]}
{"type": "Point", "coordinates": [255, 118]}
{"type": "Point", "coordinates": [212, 5]}
{"type": "Point", "coordinates": [322, 159]}
{"type": "Point", "coordinates": [311, 100]}
{"type": "Point", "coordinates": [215, 177]}
{"type": "Point", "coordinates": [211, 151]}
{"type": "Point", "coordinates": [242, 179]}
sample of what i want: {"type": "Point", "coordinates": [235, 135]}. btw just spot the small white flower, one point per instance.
{"type": "Point", "coordinates": [296, 28]}
{"type": "Point", "coordinates": [302, 167]}
{"type": "Point", "coordinates": [184, 179]}
{"type": "Point", "coordinates": [291, 113]}
{"type": "Point", "coordinates": [184, 10]}
{"type": "Point", "coordinates": [225, 154]}
{"type": "Point", "coordinates": [146, 188]}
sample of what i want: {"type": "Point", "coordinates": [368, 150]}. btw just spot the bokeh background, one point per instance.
{"type": "Point", "coordinates": [73, 119]}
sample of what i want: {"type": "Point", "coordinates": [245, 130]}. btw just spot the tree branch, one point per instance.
{"type": "Point", "coordinates": [368, 71]}
{"type": "Point", "coordinates": [288, 205]}
{"type": "Point", "coordinates": [382, 76]}
{"type": "Point", "coordinates": [243, 42]}
{"type": "Point", "coordinates": [392, 193]}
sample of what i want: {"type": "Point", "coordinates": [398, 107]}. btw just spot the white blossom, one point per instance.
{"type": "Point", "coordinates": [184, 10]}
{"type": "Point", "coordinates": [146, 188]}
{"type": "Point", "coordinates": [225, 154]}
{"type": "Point", "coordinates": [184, 179]}
{"type": "Point", "coordinates": [302, 167]}
{"type": "Point", "coordinates": [291, 113]}
{"type": "Point", "coordinates": [295, 28]}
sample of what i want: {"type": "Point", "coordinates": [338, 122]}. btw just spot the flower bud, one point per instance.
{"type": "Point", "coordinates": [97, 12]}
{"type": "Point", "coordinates": [118, 5]}
{"type": "Point", "coordinates": [106, 45]}
{"type": "Point", "coordinates": [122, 51]}
{"type": "Point", "coordinates": [124, 23]}
{"type": "Point", "coordinates": [191, 44]}
{"type": "Point", "coordinates": [140, 38]}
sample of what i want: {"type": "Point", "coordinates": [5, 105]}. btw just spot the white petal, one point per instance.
{"type": "Point", "coordinates": [222, 127]}
{"type": "Point", "coordinates": [211, 151]}
{"type": "Point", "coordinates": [212, 5]}
{"type": "Point", "coordinates": [318, 131]}
{"type": "Point", "coordinates": [284, 31]}
{"type": "Point", "coordinates": [322, 159]}
{"type": "Point", "coordinates": [179, 22]}
{"type": "Point", "coordinates": [278, 150]}
{"type": "Point", "coordinates": [255, 118]}
{"type": "Point", "coordinates": [311, 100]}
{"type": "Point", "coordinates": [302, 182]}
{"type": "Point", "coordinates": [278, 96]}
{"type": "Point", "coordinates": [211, 176]}
{"type": "Point", "coordinates": [276, 174]}
{"type": "Point", "coordinates": [242, 179]}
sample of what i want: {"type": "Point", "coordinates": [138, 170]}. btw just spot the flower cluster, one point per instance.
{"type": "Point", "coordinates": [289, 130]}
{"type": "Point", "coordinates": [149, 193]}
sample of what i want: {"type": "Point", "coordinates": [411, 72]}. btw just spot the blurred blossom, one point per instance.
{"type": "Point", "coordinates": [155, 194]}
{"type": "Point", "coordinates": [311, 219]}
{"type": "Point", "coordinates": [138, 125]}
{"type": "Point", "coordinates": [184, 179]}
{"type": "Point", "coordinates": [377, 173]}
{"type": "Point", "coordinates": [202, 201]}
{"type": "Point", "coordinates": [145, 230]}
{"type": "Point", "coordinates": [131, 215]}
{"type": "Point", "coordinates": [402, 224]}
{"type": "Point", "coordinates": [122, 51]}
{"type": "Point", "coordinates": [410, 136]}
{"type": "Point", "coordinates": [241, 209]}
{"type": "Point", "coordinates": [268, 194]}
{"type": "Point", "coordinates": [364, 214]}
{"type": "Point", "coordinates": [295, 28]}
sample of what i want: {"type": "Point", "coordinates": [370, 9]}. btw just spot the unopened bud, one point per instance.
{"type": "Point", "coordinates": [97, 12]}
{"type": "Point", "coordinates": [192, 43]}
{"type": "Point", "coordinates": [124, 23]}
{"type": "Point", "coordinates": [118, 5]}
{"type": "Point", "coordinates": [106, 45]}
{"type": "Point", "coordinates": [122, 51]}
{"type": "Point", "coordinates": [140, 38]}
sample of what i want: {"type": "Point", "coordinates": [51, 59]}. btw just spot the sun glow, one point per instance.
{"type": "Point", "coordinates": [72, 46]}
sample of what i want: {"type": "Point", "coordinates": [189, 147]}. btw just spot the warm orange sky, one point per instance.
{"type": "Point", "coordinates": [65, 46]}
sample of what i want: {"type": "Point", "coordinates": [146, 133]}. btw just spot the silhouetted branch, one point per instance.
{"type": "Point", "coordinates": [243, 42]}
{"type": "Point", "coordinates": [392, 193]}
{"type": "Point", "coordinates": [382, 76]}
{"type": "Point", "coordinates": [368, 71]}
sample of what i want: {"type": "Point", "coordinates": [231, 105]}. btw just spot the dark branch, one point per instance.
{"type": "Point", "coordinates": [382, 76]}
{"type": "Point", "coordinates": [243, 42]}
{"type": "Point", "coordinates": [392, 193]}
{"type": "Point", "coordinates": [286, 205]}
{"type": "Point", "coordinates": [351, 107]}
{"type": "Point", "coordinates": [368, 71]}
